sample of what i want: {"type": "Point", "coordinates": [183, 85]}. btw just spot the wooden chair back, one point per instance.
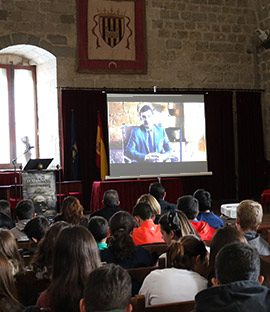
{"type": "Point", "coordinates": [265, 270]}
{"type": "Point", "coordinates": [139, 274]}
{"type": "Point", "coordinates": [138, 303]}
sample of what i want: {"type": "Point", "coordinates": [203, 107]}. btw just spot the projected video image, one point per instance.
{"type": "Point", "coordinates": [154, 130]}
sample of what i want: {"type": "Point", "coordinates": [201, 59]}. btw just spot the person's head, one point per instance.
{"type": "Point", "coordinates": [7, 286]}
{"type": "Point", "coordinates": [222, 237]}
{"type": "Point", "coordinates": [5, 207]}
{"type": "Point", "coordinates": [189, 205]}
{"type": "Point", "coordinates": [157, 190]}
{"type": "Point", "coordinates": [174, 225]}
{"type": "Point", "coordinates": [44, 253]}
{"type": "Point", "coordinates": [107, 288]}
{"type": "Point", "coordinates": [204, 199]}
{"type": "Point", "coordinates": [36, 228]}
{"type": "Point", "coordinates": [25, 209]}
{"type": "Point", "coordinates": [121, 243]}
{"type": "Point", "coordinates": [99, 227]}
{"type": "Point", "coordinates": [111, 198]}
{"type": "Point", "coordinates": [189, 253]}
{"type": "Point", "coordinates": [9, 248]}
{"type": "Point", "coordinates": [142, 212]}
{"type": "Point", "coordinates": [75, 256]}
{"type": "Point", "coordinates": [147, 116]}
{"type": "Point", "coordinates": [152, 202]}
{"type": "Point", "coordinates": [249, 215]}
{"type": "Point", "coordinates": [237, 262]}
{"type": "Point", "coordinates": [5, 221]}
{"type": "Point", "coordinates": [72, 210]}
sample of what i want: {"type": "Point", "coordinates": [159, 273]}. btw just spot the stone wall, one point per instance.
{"type": "Point", "coordinates": [190, 43]}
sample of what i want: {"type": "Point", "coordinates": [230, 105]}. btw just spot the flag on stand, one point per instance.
{"type": "Point", "coordinates": [101, 158]}
{"type": "Point", "coordinates": [74, 150]}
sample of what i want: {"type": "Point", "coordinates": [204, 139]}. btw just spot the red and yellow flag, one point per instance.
{"type": "Point", "coordinates": [101, 158]}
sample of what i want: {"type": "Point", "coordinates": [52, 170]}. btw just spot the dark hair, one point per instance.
{"type": "Point", "coordinates": [71, 211]}
{"type": "Point", "coordinates": [110, 198]}
{"type": "Point", "coordinates": [5, 206]}
{"type": "Point", "coordinates": [222, 237]}
{"type": "Point", "coordinates": [44, 253]}
{"type": "Point", "coordinates": [75, 256]}
{"type": "Point", "coordinates": [176, 221]}
{"type": "Point", "coordinates": [107, 288]}
{"type": "Point", "coordinates": [25, 209]}
{"type": "Point", "coordinates": [121, 243]}
{"type": "Point", "coordinates": [7, 287]}
{"type": "Point", "coordinates": [237, 262]}
{"type": "Point", "coordinates": [181, 254]}
{"type": "Point", "coordinates": [99, 227]}
{"type": "Point", "coordinates": [9, 248]}
{"type": "Point", "coordinates": [143, 210]}
{"type": "Point", "coordinates": [5, 221]}
{"type": "Point", "coordinates": [157, 190]}
{"type": "Point", "coordinates": [204, 199]}
{"type": "Point", "coordinates": [36, 228]}
{"type": "Point", "coordinates": [146, 108]}
{"type": "Point", "coordinates": [189, 205]}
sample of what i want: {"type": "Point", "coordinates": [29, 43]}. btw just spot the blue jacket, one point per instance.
{"type": "Point", "coordinates": [137, 146]}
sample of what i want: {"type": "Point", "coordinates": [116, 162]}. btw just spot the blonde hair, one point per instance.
{"type": "Point", "coordinates": [151, 201]}
{"type": "Point", "coordinates": [249, 214]}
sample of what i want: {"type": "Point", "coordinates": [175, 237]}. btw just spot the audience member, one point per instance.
{"type": "Point", "coordinates": [190, 206]}
{"type": "Point", "coordinates": [223, 236]}
{"type": "Point", "coordinates": [205, 213]}
{"type": "Point", "coordinates": [184, 279]}
{"type": "Point", "coordinates": [42, 260]}
{"type": "Point", "coordinates": [99, 227]}
{"type": "Point", "coordinates": [121, 248]}
{"type": "Point", "coordinates": [75, 256]}
{"type": "Point", "coordinates": [108, 289]}
{"type": "Point", "coordinates": [238, 282]}
{"type": "Point", "coordinates": [6, 222]}
{"type": "Point", "coordinates": [148, 232]}
{"type": "Point", "coordinates": [153, 203]}
{"type": "Point", "coordinates": [5, 207]}
{"type": "Point", "coordinates": [249, 218]}
{"type": "Point", "coordinates": [111, 205]}
{"type": "Point", "coordinates": [25, 211]}
{"type": "Point", "coordinates": [9, 248]}
{"type": "Point", "coordinates": [72, 212]}
{"type": "Point", "coordinates": [36, 228]}
{"type": "Point", "coordinates": [8, 296]}
{"type": "Point", "coordinates": [175, 225]}
{"type": "Point", "coordinates": [158, 191]}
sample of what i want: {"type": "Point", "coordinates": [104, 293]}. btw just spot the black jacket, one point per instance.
{"type": "Point", "coordinates": [246, 296]}
{"type": "Point", "coordinates": [165, 206]}
{"type": "Point", "coordinates": [106, 212]}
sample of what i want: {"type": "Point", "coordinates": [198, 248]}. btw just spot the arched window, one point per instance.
{"type": "Point", "coordinates": [28, 105]}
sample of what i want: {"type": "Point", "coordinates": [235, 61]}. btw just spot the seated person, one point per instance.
{"type": "Point", "coordinates": [205, 214]}
{"type": "Point", "coordinates": [188, 260]}
{"type": "Point", "coordinates": [249, 218]}
{"type": "Point", "coordinates": [153, 203]}
{"type": "Point", "coordinates": [25, 211]}
{"type": "Point", "coordinates": [108, 288]}
{"type": "Point", "coordinates": [157, 190]}
{"type": "Point", "coordinates": [99, 228]}
{"type": "Point", "coordinates": [5, 207]}
{"type": "Point", "coordinates": [238, 283]}
{"type": "Point", "coordinates": [148, 232]}
{"type": "Point", "coordinates": [36, 228]}
{"type": "Point", "coordinates": [111, 205]}
{"type": "Point", "coordinates": [148, 142]}
{"type": "Point", "coordinates": [6, 222]}
{"type": "Point", "coordinates": [190, 206]}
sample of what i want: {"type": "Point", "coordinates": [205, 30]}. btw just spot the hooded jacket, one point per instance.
{"type": "Point", "coordinates": [256, 241]}
{"type": "Point", "coordinates": [242, 296]}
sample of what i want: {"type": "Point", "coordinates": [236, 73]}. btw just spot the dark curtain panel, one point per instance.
{"type": "Point", "coordinates": [220, 148]}
{"type": "Point", "coordinates": [86, 104]}
{"type": "Point", "coordinates": [251, 160]}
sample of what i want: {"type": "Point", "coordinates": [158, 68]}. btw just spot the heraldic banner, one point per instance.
{"type": "Point", "coordinates": [111, 36]}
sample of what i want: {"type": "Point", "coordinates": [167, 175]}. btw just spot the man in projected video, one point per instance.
{"type": "Point", "coordinates": [148, 142]}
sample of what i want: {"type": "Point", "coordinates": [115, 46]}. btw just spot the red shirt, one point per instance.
{"type": "Point", "coordinates": [203, 229]}
{"type": "Point", "coordinates": [147, 233]}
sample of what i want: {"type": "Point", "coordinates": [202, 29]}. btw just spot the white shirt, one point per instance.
{"type": "Point", "coordinates": [171, 285]}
